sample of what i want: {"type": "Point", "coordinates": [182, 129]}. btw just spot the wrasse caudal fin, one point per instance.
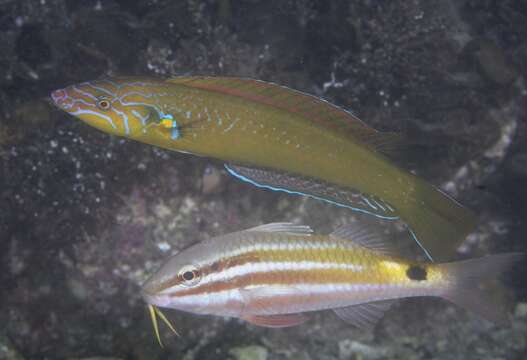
{"type": "Point", "coordinates": [320, 190]}
{"type": "Point", "coordinates": [276, 321]}
{"type": "Point", "coordinates": [154, 312]}
{"type": "Point", "coordinates": [438, 222]}
{"type": "Point", "coordinates": [468, 275]}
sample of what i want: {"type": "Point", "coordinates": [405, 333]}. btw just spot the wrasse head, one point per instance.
{"type": "Point", "coordinates": [122, 106]}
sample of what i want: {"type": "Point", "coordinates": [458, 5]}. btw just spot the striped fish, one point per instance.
{"type": "Point", "coordinates": [273, 275]}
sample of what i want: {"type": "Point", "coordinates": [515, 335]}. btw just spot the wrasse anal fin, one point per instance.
{"type": "Point", "coordinates": [298, 185]}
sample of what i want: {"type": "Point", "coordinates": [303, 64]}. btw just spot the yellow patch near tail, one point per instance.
{"type": "Point", "coordinates": [154, 312]}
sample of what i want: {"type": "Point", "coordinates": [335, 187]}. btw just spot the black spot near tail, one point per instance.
{"type": "Point", "coordinates": [416, 272]}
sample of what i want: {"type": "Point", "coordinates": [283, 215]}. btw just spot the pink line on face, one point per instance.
{"type": "Point", "coordinates": [58, 95]}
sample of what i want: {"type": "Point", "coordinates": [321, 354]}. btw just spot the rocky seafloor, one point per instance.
{"type": "Point", "coordinates": [86, 217]}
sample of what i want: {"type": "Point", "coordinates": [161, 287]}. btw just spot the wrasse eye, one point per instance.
{"type": "Point", "coordinates": [104, 104]}
{"type": "Point", "coordinates": [189, 275]}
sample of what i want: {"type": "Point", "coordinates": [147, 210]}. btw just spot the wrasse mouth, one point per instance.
{"type": "Point", "coordinates": [61, 99]}
{"type": "Point", "coordinates": [154, 313]}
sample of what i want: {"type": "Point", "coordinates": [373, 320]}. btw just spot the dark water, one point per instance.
{"type": "Point", "coordinates": [85, 217]}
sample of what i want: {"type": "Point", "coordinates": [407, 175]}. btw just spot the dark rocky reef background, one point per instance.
{"type": "Point", "coordinates": [85, 217]}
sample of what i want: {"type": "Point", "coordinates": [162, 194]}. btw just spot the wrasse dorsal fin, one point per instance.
{"type": "Point", "coordinates": [367, 236]}
{"type": "Point", "coordinates": [276, 321]}
{"type": "Point", "coordinates": [283, 227]}
{"type": "Point", "coordinates": [364, 316]}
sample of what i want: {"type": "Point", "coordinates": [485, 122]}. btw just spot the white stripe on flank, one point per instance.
{"type": "Point", "coordinates": [313, 297]}
{"type": "Point", "coordinates": [265, 267]}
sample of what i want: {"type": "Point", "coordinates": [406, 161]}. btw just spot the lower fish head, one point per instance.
{"type": "Point", "coordinates": [181, 283]}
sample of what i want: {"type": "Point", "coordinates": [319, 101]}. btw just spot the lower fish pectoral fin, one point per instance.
{"type": "Point", "coordinates": [276, 321]}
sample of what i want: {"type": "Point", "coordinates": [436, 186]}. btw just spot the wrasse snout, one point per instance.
{"type": "Point", "coordinates": [274, 275]}
{"type": "Point", "coordinates": [58, 95]}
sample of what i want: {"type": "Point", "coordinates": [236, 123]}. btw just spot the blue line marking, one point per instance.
{"type": "Point", "coordinates": [246, 179]}
{"type": "Point", "coordinates": [419, 243]}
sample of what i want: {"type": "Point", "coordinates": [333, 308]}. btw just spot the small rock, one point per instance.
{"type": "Point", "coordinates": [521, 310]}
{"type": "Point", "coordinates": [251, 352]}
{"type": "Point", "coordinates": [7, 350]}
{"type": "Point", "coordinates": [349, 348]}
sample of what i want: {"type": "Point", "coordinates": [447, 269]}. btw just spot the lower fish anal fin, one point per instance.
{"type": "Point", "coordinates": [276, 321]}
{"type": "Point", "coordinates": [314, 188]}
{"type": "Point", "coordinates": [364, 316]}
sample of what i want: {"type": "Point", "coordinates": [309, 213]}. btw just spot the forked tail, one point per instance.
{"type": "Point", "coordinates": [467, 277]}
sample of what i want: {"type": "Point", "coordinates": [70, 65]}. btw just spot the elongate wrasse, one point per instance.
{"type": "Point", "coordinates": [274, 275]}
{"type": "Point", "coordinates": [275, 138]}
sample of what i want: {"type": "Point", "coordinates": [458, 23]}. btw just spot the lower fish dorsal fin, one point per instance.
{"type": "Point", "coordinates": [276, 321]}
{"type": "Point", "coordinates": [283, 227]}
{"type": "Point", "coordinates": [364, 316]}
{"type": "Point", "coordinates": [300, 185]}
{"type": "Point", "coordinates": [365, 235]}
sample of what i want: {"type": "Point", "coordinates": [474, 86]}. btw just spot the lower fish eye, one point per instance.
{"type": "Point", "coordinates": [189, 275]}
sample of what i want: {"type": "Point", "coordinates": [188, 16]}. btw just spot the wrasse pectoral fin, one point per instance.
{"type": "Point", "coordinates": [364, 316]}
{"type": "Point", "coordinates": [366, 236]}
{"type": "Point", "coordinates": [154, 312]}
{"type": "Point", "coordinates": [284, 227]}
{"type": "Point", "coordinates": [276, 321]}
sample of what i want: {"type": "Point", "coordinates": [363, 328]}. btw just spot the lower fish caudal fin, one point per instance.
{"type": "Point", "coordinates": [466, 288]}
{"type": "Point", "coordinates": [438, 222]}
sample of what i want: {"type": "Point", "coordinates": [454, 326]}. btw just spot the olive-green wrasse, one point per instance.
{"type": "Point", "coordinates": [276, 138]}
{"type": "Point", "coordinates": [273, 275]}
